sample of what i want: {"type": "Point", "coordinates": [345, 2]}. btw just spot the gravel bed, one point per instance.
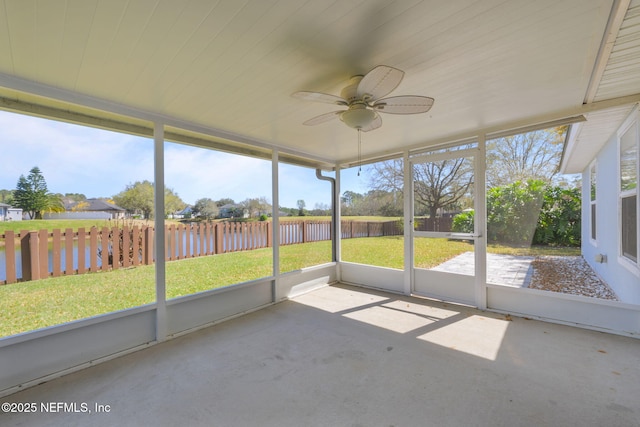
{"type": "Point", "coordinates": [569, 275]}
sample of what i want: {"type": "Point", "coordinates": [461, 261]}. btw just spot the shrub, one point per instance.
{"type": "Point", "coordinates": [531, 212]}
{"type": "Point", "coordinates": [463, 222]}
{"type": "Point", "coordinates": [560, 218]}
{"type": "Point", "coordinates": [512, 212]}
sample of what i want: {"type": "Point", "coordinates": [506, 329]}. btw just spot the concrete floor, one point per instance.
{"type": "Point", "coordinates": [344, 356]}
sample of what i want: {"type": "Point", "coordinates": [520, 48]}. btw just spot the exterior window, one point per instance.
{"type": "Point", "coordinates": [629, 193]}
{"type": "Point", "coordinates": [592, 180]}
{"type": "Point", "coordinates": [629, 228]}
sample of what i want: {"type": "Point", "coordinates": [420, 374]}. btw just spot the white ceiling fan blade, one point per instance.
{"type": "Point", "coordinates": [323, 118]}
{"type": "Point", "coordinates": [375, 123]}
{"type": "Point", "coordinates": [379, 82]}
{"type": "Point", "coordinates": [409, 104]}
{"type": "Point", "coordinates": [319, 97]}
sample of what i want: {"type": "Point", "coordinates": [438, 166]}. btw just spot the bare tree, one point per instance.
{"type": "Point", "coordinates": [531, 155]}
{"type": "Point", "coordinates": [442, 184]}
{"type": "Point", "coordinates": [387, 175]}
{"type": "Point", "coordinates": [437, 185]}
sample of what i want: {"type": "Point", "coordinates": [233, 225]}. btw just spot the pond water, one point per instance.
{"type": "Point", "coordinates": [63, 259]}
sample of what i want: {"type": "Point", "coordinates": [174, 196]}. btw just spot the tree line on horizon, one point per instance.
{"type": "Point", "coordinates": [32, 196]}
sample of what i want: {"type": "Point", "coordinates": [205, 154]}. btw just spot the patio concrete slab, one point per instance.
{"type": "Point", "coordinates": [508, 270]}
{"type": "Point", "coordinates": [346, 356]}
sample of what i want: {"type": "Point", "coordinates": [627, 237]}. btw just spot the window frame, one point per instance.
{"type": "Point", "coordinates": [593, 198]}
{"type": "Point", "coordinates": [632, 123]}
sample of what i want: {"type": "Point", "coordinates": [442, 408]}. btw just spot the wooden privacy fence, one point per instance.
{"type": "Point", "coordinates": [294, 232]}
{"type": "Point", "coordinates": [442, 224]}
{"type": "Point", "coordinates": [32, 255]}
{"type": "Point", "coordinates": [353, 229]}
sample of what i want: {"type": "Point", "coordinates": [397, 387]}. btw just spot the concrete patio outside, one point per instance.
{"type": "Point", "coordinates": [509, 270]}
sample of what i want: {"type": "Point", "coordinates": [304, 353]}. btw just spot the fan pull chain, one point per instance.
{"type": "Point", "coordinates": [359, 152]}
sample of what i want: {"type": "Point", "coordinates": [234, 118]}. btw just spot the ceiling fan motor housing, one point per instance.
{"type": "Point", "coordinates": [350, 92]}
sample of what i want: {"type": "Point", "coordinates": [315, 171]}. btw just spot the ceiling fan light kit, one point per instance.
{"type": "Point", "coordinates": [358, 117]}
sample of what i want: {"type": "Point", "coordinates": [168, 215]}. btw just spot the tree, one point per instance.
{"type": "Point", "coordinates": [349, 199]}
{"type": "Point", "coordinates": [284, 211]}
{"type": "Point", "coordinates": [532, 155]}
{"type": "Point", "coordinates": [74, 197]}
{"type": "Point", "coordinates": [321, 209]}
{"type": "Point", "coordinates": [442, 184]}
{"type": "Point", "coordinates": [205, 208]}
{"type": "Point", "coordinates": [387, 175]}
{"type": "Point", "coordinates": [137, 198]}
{"type": "Point", "coordinates": [374, 203]}
{"type": "Point", "coordinates": [31, 193]}
{"type": "Point", "coordinates": [301, 204]}
{"type": "Point", "coordinates": [172, 202]}
{"type": "Point", "coordinates": [350, 203]}
{"type": "Point", "coordinates": [225, 201]}
{"type": "Point", "coordinates": [438, 185]}
{"type": "Point", "coordinates": [256, 206]}
{"type": "Point", "coordinates": [448, 183]}
{"type": "Point", "coordinates": [382, 203]}
{"type": "Point", "coordinates": [6, 196]}
{"type": "Point", "coordinates": [55, 203]}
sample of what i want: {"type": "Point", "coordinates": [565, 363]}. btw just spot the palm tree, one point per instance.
{"type": "Point", "coordinates": [54, 204]}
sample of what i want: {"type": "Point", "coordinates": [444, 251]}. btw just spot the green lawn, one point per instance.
{"type": "Point", "coordinates": [428, 253]}
{"type": "Point", "coordinates": [50, 224]}
{"type": "Point", "coordinates": [36, 304]}
{"type": "Point", "coordinates": [62, 224]}
{"type": "Point", "coordinates": [31, 305]}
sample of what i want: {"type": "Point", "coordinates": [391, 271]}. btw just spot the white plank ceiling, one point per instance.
{"type": "Point", "coordinates": [231, 66]}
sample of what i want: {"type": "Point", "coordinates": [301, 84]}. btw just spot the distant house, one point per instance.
{"type": "Point", "coordinates": [89, 209]}
{"type": "Point", "coordinates": [233, 211]}
{"type": "Point", "coordinates": [187, 212]}
{"type": "Point", "coordinates": [8, 213]}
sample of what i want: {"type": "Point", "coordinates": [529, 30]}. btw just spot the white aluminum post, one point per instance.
{"type": "Point", "coordinates": [408, 225]}
{"type": "Point", "coordinates": [338, 215]}
{"type": "Point", "coordinates": [275, 223]}
{"type": "Point", "coordinates": [480, 224]}
{"type": "Point", "coordinates": [159, 253]}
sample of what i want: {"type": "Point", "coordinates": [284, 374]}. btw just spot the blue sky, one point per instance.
{"type": "Point", "coordinates": [99, 163]}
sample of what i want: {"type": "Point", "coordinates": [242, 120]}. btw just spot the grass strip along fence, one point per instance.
{"type": "Point", "coordinates": [33, 255]}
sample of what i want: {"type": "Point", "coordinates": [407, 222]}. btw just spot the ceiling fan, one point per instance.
{"type": "Point", "coordinates": [363, 98]}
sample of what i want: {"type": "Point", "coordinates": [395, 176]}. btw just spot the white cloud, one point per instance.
{"type": "Point", "coordinates": [73, 159]}
{"type": "Point", "coordinates": [97, 163]}
{"type": "Point", "coordinates": [195, 173]}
